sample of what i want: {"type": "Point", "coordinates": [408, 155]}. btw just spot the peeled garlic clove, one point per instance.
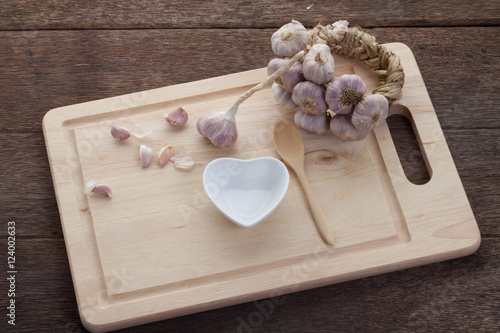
{"type": "Point", "coordinates": [178, 117]}
{"type": "Point", "coordinates": [181, 159]}
{"type": "Point", "coordinates": [146, 155]}
{"type": "Point", "coordinates": [119, 133]}
{"type": "Point", "coordinates": [310, 98]}
{"type": "Point", "coordinates": [164, 155]}
{"type": "Point", "coordinates": [319, 65]}
{"type": "Point", "coordinates": [288, 79]}
{"type": "Point", "coordinates": [138, 131]}
{"type": "Point", "coordinates": [317, 123]}
{"type": "Point", "coordinates": [341, 125]}
{"type": "Point", "coordinates": [289, 39]}
{"type": "Point", "coordinates": [344, 92]}
{"type": "Point", "coordinates": [219, 128]}
{"type": "Point", "coordinates": [370, 112]}
{"type": "Point", "coordinates": [92, 187]}
{"type": "Point", "coordinates": [283, 97]}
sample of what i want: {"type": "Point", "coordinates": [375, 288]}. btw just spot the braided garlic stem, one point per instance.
{"type": "Point", "coordinates": [355, 44]}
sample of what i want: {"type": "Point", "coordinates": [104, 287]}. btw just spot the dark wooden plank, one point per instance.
{"type": "Point", "coordinates": [46, 69]}
{"type": "Point", "coordinates": [461, 295]}
{"type": "Point", "coordinates": [137, 14]}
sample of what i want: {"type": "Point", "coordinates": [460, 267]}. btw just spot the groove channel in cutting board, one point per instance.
{"type": "Point", "coordinates": [160, 249]}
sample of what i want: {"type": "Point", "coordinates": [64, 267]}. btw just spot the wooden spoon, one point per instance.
{"type": "Point", "coordinates": [290, 147]}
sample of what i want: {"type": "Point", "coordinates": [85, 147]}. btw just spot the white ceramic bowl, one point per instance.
{"type": "Point", "coordinates": [246, 191]}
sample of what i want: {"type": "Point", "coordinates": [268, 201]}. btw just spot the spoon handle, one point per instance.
{"type": "Point", "coordinates": [324, 227]}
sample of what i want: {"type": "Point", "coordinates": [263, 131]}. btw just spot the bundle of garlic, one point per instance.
{"type": "Point", "coordinates": [304, 80]}
{"type": "Point", "coordinates": [324, 101]}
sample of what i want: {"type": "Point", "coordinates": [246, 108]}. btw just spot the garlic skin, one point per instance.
{"type": "Point", "coordinates": [310, 98]}
{"type": "Point", "coordinates": [311, 123]}
{"type": "Point", "coordinates": [92, 187]}
{"type": "Point", "coordinates": [182, 160]}
{"type": "Point", "coordinates": [319, 65]}
{"type": "Point", "coordinates": [288, 79]}
{"type": "Point", "coordinates": [341, 125]}
{"type": "Point", "coordinates": [119, 133]}
{"type": "Point", "coordinates": [138, 131]}
{"type": "Point", "coordinates": [146, 155]}
{"type": "Point", "coordinates": [344, 92]}
{"type": "Point", "coordinates": [177, 117]}
{"type": "Point", "coordinates": [283, 97]}
{"type": "Point", "coordinates": [164, 155]}
{"type": "Point", "coordinates": [370, 112]}
{"type": "Point", "coordinates": [289, 39]}
{"type": "Point", "coordinates": [219, 128]}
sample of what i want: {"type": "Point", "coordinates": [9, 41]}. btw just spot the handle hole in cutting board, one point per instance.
{"type": "Point", "coordinates": [408, 149]}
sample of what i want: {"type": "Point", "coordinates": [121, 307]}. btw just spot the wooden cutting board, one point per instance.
{"type": "Point", "coordinates": [160, 249]}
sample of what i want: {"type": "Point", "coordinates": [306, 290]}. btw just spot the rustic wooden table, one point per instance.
{"type": "Point", "coordinates": [56, 53]}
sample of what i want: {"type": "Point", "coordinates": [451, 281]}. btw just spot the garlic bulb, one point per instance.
{"type": "Point", "coordinates": [289, 39]}
{"type": "Point", "coordinates": [312, 123]}
{"type": "Point", "coordinates": [219, 128]}
{"type": "Point", "coordinates": [283, 97]}
{"type": "Point", "coordinates": [370, 112]}
{"type": "Point", "coordinates": [177, 117]}
{"type": "Point", "coordinates": [288, 79]}
{"type": "Point", "coordinates": [319, 65]}
{"type": "Point", "coordinates": [310, 98]}
{"type": "Point", "coordinates": [344, 92]}
{"type": "Point", "coordinates": [342, 127]}
{"type": "Point", "coordinates": [146, 155]}
{"type": "Point", "coordinates": [119, 133]}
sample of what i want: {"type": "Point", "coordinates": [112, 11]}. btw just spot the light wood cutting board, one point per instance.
{"type": "Point", "coordinates": [160, 249]}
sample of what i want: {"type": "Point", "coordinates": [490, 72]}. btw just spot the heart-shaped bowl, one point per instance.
{"type": "Point", "coordinates": [246, 191]}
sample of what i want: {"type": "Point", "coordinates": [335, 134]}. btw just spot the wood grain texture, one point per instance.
{"type": "Point", "coordinates": [139, 14]}
{"type": "Point", "coordinates": [40, 70]}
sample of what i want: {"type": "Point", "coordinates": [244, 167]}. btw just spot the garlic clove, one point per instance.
{"type": "Point", "coordinates": [181, 159]}
{"type": "Point", "coordinates": [319, 65]}
{"type": "Point", "coordinates": [92, 187]}
{"type": "Point", "coordinates": [283, 97]}
{"type": "Point", "coordinates": [138, 131]}
{"type": "Point", "coordinates": [146, 155]}
{"type": "Point", "coordinates": [289, 39]}
{"type": "Point", "coordinates": [310, 98]}
{"type": "Point", "coordinates": [344, 92]}
{"type": "Point", "coordinates": [341, 125]}
{"type": "Point", "coordinates": [219, 128]}
{"type": "Point", "coordinates": [119, 133]}
{"type": "Point", "coordinates": [164, 155]}
{"type": "Point", "coordinates": [177, 117]}
{"type": "Point", "coordinates": [370, 112]}
{"type": "Point", "coordinates": [312, 123]}
{"type": "Point", "coordinates": [288, 79]}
